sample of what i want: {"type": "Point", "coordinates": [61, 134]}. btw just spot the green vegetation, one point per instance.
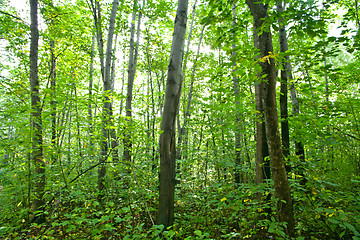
{"type": "Point", "coordinates": [99, 141]}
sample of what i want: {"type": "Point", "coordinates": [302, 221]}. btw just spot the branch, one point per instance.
{"type": "Point", "coordinates": [10, 15]}
{"type": "Point", "coordinates": [347, 134]}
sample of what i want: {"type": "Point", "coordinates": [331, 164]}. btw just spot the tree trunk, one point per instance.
{"type": "Point", "coordinates": [239, 178]}
{"type": "Point", "coordinates": [36, 118]}
{"type": "Point", "coordinates": [262, 151]}
{"type": "Point", "coordinates": [90, 99]}
{"type": "Point", "coordinates": [285, 135]}
{"type": "Point", "coordinates": [171, 107]}
{"type": "Point", "coordinates": [181, 129]}
{"type": "Point", "coordinates": [107, 107]}
{"type": "Point", "coordinates": [263, 41]}
{"type": "Point", "coordinates": [54, 140]}
{"type": "Point", "coordinates": [183, 133]}
{"type": "Point", "coordinates": [113, 135]}
{"type": "Point", "coordinates": [287, 73]}
{"type": "Point", "coordinates": [131, 77]}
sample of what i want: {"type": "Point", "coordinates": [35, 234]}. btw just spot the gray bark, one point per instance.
{"type": "Point", "coordinates": [107, 107]}
{"type": "Point", "coordinates": [171, 107]}
{"type": "Point", "coordinates": [131, 77]}
{"type": "Point", "coordinates": [183, 134]}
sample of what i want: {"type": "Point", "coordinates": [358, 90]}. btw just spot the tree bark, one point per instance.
{"type": "Point", "coordinates": [107, 106]}
{"type": "Point", "coordinates": [90, 99]}
{"type": "Point", "coordinates": [171, 107]}
{"type": "Point", "coordinates": [183, 133]}
{"type": "Point", "coordinates": [181, 129]}
{"type": "Point", "coordinates": [36, 118]}
{"type": "Point", "coordinates": [284, 75]}
{"type": "Point", "coordinates": [239, 178]}
{"type": "Point", "coordinates": [54, 140]}
{"type": "Point", "coordinates": [263, 41]}
{"type": "Point", "coordinates": [133, 53]}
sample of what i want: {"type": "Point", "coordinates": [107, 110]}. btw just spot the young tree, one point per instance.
{"type": "Point", "coordinates": [171, 107]}
{"type": "Point", "coordinates": [133, 53]}
{"type": "Point", "coordinates": [263, 42]}
{"type": "Point", "coordinates": [108, 88]}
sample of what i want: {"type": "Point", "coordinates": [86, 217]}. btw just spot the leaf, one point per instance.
{"type": "Point", "coordinates": [352, 228]}
{"type": "Point", "coordinates": [198, 233]}
{"type": "Point", "coordinates": [223, 199]}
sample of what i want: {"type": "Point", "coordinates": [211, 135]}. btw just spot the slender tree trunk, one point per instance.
{"type": "Point", "coordinates": [107, 122]}
{"type": "Point", "coordinates": [131, 77]}
{"type": "Point", "coordinates": [151, 127]}
{"type": "Point", "coordinates": [263, 41]}
{"type": "Point", "coordinates": [183, 134]}
{"type": "Point", "coordinates": [36, 118]}
{"type": "Point", "coordinates": [114, 139]}
{"type": "Point", "coordinates": [239, 178]}
{"type": "Point", "coordinates": [262, 162]}
{"type": "Point", "coordinates": [54, 140]}
{"type": "Point", "coordinates": [182, 129]}
{"type": "Point", "coordinates": [171, 107]}
{"type": "Point", "coordinates": [285, 134]}
{"type": "Point", "coordinates": [299, 147]}
{"type": "Point", "coordinates": [99, 34]}
{"type": "Point", "coordinates": [262, 152]}
{"type": "Point", "coordinates": [78, 124]}
{"type": "Point", "coordinates": [90, 99]}
{"type": "Point", "coordinates": [287, 73]}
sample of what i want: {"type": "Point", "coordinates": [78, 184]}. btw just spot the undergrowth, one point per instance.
{"type": "Point", "coordinates": [323, 210]}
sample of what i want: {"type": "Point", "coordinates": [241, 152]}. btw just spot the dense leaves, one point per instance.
{"type": "Point", "coordinates": [323, 39]}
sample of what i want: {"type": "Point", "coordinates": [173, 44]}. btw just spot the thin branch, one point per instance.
{"type": "Point", "coordinates": [13, 16]}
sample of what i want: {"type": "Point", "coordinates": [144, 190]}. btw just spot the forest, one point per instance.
{"type": "Point", "coordinates": [200, 119]}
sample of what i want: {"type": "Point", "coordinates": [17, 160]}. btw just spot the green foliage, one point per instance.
{"type": "Point", "coordinates": [208, 205]}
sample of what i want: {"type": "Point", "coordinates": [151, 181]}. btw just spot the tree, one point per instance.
{"type": "Point", "coordinates": [36, 119]}
{"type": "Point", "coordinates": [108, 88]}
{"type": "Point", "coordinates": [133, 55]}
{"type": "Point", "coordinates": [167, 140]}
{"type": "Point", "coordinates": [286, 76]}
{"type": "Point", "coordinates": [263, 42]}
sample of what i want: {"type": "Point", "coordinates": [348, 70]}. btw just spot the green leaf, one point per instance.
{"type": "Point", "coordinates": [198, 233]}
{"type": "Point", "coordinates": [352, 228]}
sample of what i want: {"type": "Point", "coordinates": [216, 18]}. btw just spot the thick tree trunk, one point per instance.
{"type": "Point", "coordinates": [36, 118]}
{"type": "Point", "coordinates": [263, 41]}
{"type": "Point", "coordinates": [171, 107]}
